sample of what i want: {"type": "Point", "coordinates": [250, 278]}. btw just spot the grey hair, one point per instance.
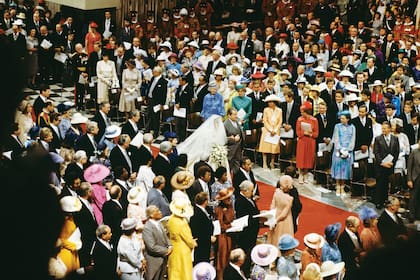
{"type": "Point", "coordinates": [285, 180]}
{"type": "Point", "coordinates": [165, 146]}
{"type": "Point", "coordinates": [236, 255]}
{"type": "Point", "coordinates": [79, 155]}
{"type": "Point", "coordinates": [101, 230]}
{"type": "Point", "coordinates": [150, 210]}
{"type": "Point", "coordinates": [84, 189]}
{"type": "Point", "coordinates": [148, 138]}
{"type": "Point", "coordinates": [246, 185]}
{"type": "Point", "coordinates": [91, 125]}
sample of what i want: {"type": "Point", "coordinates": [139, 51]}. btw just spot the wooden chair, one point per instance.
{"type": "Point", "coordinates": [250, 143]}
{"type": "Point", "coordinates": [323, 167]}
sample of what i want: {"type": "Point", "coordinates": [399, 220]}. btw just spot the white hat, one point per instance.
{"type": "Point", "coordinates": [174, 72]}
{"type": "Point", "coordinates": [301, 80]}
{"type": "Point", "coordinates": [329, 268]}
{"type": "Point", "coordinates": [315, 88]}
{"type": "Point", "coordinates": [193, 44]}
{"type": "Point", "coordinates": [78, 118]}
{"type": "Point", "coordinates": [183, 12]}
{"type": "Point", "coordinates": [135, 195]}
{"type": "Point", "coordinates": [376, 83]}
{"type": "Point", "coordinates": [70, 204]}
{"type": "Point", "coordinates": [314, 240]}
{"type": "Point", "coordinates": [319, 69]}
{"type": "Point", "coordinates": [204, 271]}
{"type": "Point", "coordinates": [219, 71]}
{"type": "Point", "coordinates": [272, 97]}
{"type": "Point", "coordinates": [352, 97]}
{"type": "Point", "coordinates": [247, 61]}
{"type": "Point", "coordinates": [166, 44]}
{"type": "Point", "coordinates": [286, 72]}
{"type": "Point", "coordinates": [162, 57]}
{"type": "Point", "coordinates": [352, 88]}
{"type": "Point", "coordinates": [264, 254]}
{"type": "Point", "coordinates": [18, 22]}
{"type": "Point", "coordinates": [346, 73]}
{"type": "Point", "coordinates": [112, 131]}
{"type": "Point", "coordinates": [181, 207]}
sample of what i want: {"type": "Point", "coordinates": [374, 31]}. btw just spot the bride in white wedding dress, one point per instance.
{"type": "Point", "coordinates": [199, 144]}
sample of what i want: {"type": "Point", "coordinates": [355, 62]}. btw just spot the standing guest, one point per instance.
{"type": "Point", "coordinates": [202, 228]}
{"type": "Point", "coordinates": [31, 59]}
{"type": "Point", "coordinates": [162, 166]}
{"type": "Point", "coordinates": [80, 75]}
{"type": "Point", "coordinates": [343, 139]}
{"type": "Point", "coordinates": [384, 145]}
{"type": "Point", "coordinates": [282, 202]}
{"type": "Point", "coordinates": [183, 97]}
{"type": "Point", "coordinates": [272, 119]}
{"type": "Point", "coordinates": [263, 257]}
{"type": "Point", "coordinates": [42, 98]}
{"type": "Point", "coordinates": [330, 250]}
{"type": "Point", "coordinates": [145, 150]}
{"type": "Point", "coordinates": [350, 245]}
{"type": "Point", "coordinates": [107, 78]}
{"type": "Point", "coordinates": [25, 120]}
{"type": "Point", "coordinates": [292, 191]}
{"type": "Point", "coordinates": [156, 197]}
{"type": "Point", "coordinates": [73, 135]}
{"type": "Point", "coordinates": [130, 127]}
{"type": "Point", "coordinates": [157, 245]}
{"type": "Point", "coordinates": [156, 98]}
{"type": "Point", "coordinates": [413, 182]}
{"type": "Point", "coordinates": [213, 103]}
{"type": "Point", "coordinates": [234, 135]}
{"type": "Point", "coordinates": [92, 37]}
{"type": "Point", "coordinates": [225, 214]}
{"type": "Point", "coordinates": [181, 182]}
{"type": "Point", "coordinates": [87, 142]}
{"type": "Point", "coordinates": [120, 156]}
{"type": "Point", "coordinates": [131, 82]}
{"type": "Point", "coordinates": [369, 237]}
{"type": "Point", "coordinates": [233, 270]}
{"type": "Point", "coordinates": [137, 206]}
{"type": "Point", "coordinates": [180, 260]}
{"type": "Point", "coordinates": [104, 255]}
{"type": "Point", "coordinates": [286, 264]}
{"type": "Point", "coordinates": [222, 182]}
{"type": "Point", "coordinates": [95, 174]}
{"type": "Point", "coordinates": [245, 173]}
{"type": "Point", "coordinates": [312, 252]}
{"type": "Point", "coordinates": [113, 213]}
{"type": "Point", "coordinates": [77, 166]}
{"type": "Point", "coordinates": [72, 184]}
{"type": "Point", "coordinates": [13, 142]}
{"type": "Point", "coordinates": [245, 205]}
{"type": "Point", "coordinates": [242, 102]}
{"type": "Point", "coordinates": [145, 176]}
{"type": "Point", "coordinates": [101, 117]}
{"type": "Point", "coordinates": [130, 252]}
{"type": "Point", "coordinates": [390, 225]}
{"type": "Point", "coordinates": [306, 143]}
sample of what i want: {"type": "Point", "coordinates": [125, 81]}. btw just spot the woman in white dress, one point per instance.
{"type": "Point", "coordinates": [396, 128]}
{"type": "Point", "coordinates": [25, 121]}
{"type": "Point", "coordinates": [31, 59]}
{"type": "Point", "coordinates": [145, 176]}
{"type": "Point", "coordinates": [107, 77]}
{"type": "Point", "coordinates": [131, 82]}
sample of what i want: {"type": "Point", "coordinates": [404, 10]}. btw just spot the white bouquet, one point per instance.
{"type": "Point", "coordinates": [218, 156]}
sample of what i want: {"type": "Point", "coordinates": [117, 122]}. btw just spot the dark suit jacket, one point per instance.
{"type": "Point", "coordinates": [118, 159]}
{"type": "Point", "coordinates": [239, 177]}
{"type": "Point", "coordinates": [248, 237]}
{"type": "Point", "coordinates": [381, 149]}
{"type": "Point", "coordinates": [333, 110]}
{"type": "Point", "coordinates": [257, 106]}
{"type": "Point", "coordinates": [112, 26]}
{"type": "Point", "coordinates": [127, 128]}
{"type": "Point", "coordinates": [209, 69]}
{"type": "Point", "coordinates": [327, 97]}
{"type": "Point", "coordinates": [56, 141]}
{"type": "Point", "coordinates": [123, 199]}
{"type": "Point", "coordinates": [13, 145]}
{"type": "Point", "coordinates": [86, 145]}
{"type": "Point", "coordinates": [113, 215]}
{"type": "Point", "coordinates": [87, 225]}
{"type": "Point", "coordinates": [94, 57]}
{"type": "Point", "coordinates": [249, 48]}
{"type": "Point", "coordinates": [294, 114]}
{"type": "Point", "coordinates": [105, 262]}
{"type": "Point", "coordinates": [202, 229]}
{"type": "Point", "coordinates": [364, 134]}
{"type": "Point", "coordinates": [392, 53]}
{"type": "Point", "coordinates": [410, 134]}
{"type": "Point", "coordinates": [371, 107]}
{"type": "Point", "coordinates": [141, 156]}
{"type": "Point", "coordinates": [198, 104]}
{"type": "Point", "coordinates": [376, 75]}
{"type": "Point", "coordinates": [18, 45]}
{"type": "Point", "coordinates": [159, 91]}
{"type": "Point", "coordinates": [324, 131]}
{"type": "Point", "coordinates": [389, 229]}
{"type": "Point", "coordinates": [348, 250]}
{"type": "Point", "coordinates": [126, 36]}
{"type": "Point", "coordinates": [231, 274]}
{"type": "Point", "coordinates": [74, 168]}
{"type": "Point", "coordinates": [101, 125]}
{"type": "Point", "coordinates": [183, 98]}
{"type": "Point", "coordinates": [38, 105]}
{"type": "Point", "coordinates": [163, 167]}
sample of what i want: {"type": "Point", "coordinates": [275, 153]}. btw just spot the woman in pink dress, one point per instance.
{"type": "Point", "coordinates": [95, 174]}
{"type": "Point", "coordinates": [282, 202]}
{"type": "Point", "coordinates": [307, 132]}
{"type": "Point", "coordinates": [91, 37]}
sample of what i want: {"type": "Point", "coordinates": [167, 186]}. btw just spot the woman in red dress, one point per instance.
{"type": "Point", "coordinates": [307, 132]}
{"type": "Point", "coordinates": [91, 37]}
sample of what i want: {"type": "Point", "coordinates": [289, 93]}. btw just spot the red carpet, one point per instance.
{"type": "Point", "coordinates": [315, 216]}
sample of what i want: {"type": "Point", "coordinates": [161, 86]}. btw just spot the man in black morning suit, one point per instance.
{"type": "Point", "coordinates": [183, 97]}
{"type": "Point", "coordinates": [258, 105]}
{"type": "Point", "coordinates": [290, 110]}
{"type": "Point", "coordinates": [214, 64]}
{"type": "Point", "coordinates": [390, 225]}
{"type": "Point", "coordinates": [364, 132]}
{"type": "Point", "coordinates": [162, 166]}
{"type": "Point", "coordinates": [350, 245]}
{"type": "Point", "coordinates": [101, 117]}
{"type": "Point", "coordinates": [201, 228]}
{"type": "Point", "coordinates": [156, 95]}
{"type": "Point", "coordinates": [245, 205]}
{"type": "Point", "coordinates": [384, 145]}
{"type": "Point", "coordinates": [130, 127]}
{"type": "Point", "coordinates": [113, 213]}
{"type": "Point", "coordinates": [104, 255]}
{"type": "Point", "coordinates": [244, 173]}
{"type": "Point", "coordinates": [120, 156]}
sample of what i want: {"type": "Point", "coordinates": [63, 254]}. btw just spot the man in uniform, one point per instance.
{"type": "Point", "coordinates": [150, 25]}
{"type": "Point", "coordinates": [205, 11]}
{"type": "Point", "coordinates": [182, 28]}
{"type": "Point", "coordinates": [80, 63]}
{"type": "Point", "coordinates": [193, 20]}
{"type": "Point", "coordinates": [166, 26]}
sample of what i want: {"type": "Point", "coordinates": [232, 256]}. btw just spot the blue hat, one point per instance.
{"type": "Point", "coordinates": [344, 113]}
{"type": "Point", "coordinates": [310, 60]}
{"type": "Point", "coordinates": [271, 70]}
{"type": "Point", "coordinates": [320, 41]}
{"type": "Point", "coordinates": [34, 132]}
{"type": "Point", "coordinates": [287, 242]}
{"type": "Point", "coordinates": [63, 107]}
{"type": "Point", "coordinates": [169, 134]}
{"type": "Point", "coordinates": [331, 231]}
{"type": "Point", "coordinates": [244, 80]}
{"type": "Point", "coordinates": [367, 213]}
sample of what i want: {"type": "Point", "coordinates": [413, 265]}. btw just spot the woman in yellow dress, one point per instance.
{"type": "Point", "coordinates": [272, 118]}
{"type": "Point", "coordinates": [180, 260]}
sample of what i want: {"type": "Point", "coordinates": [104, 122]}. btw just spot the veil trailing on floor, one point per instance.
{"type": "Point", "coordinates": [200, 143]}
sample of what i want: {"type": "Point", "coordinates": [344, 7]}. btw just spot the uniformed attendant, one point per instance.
{"type": "Point", "coordinates": [150, 25]}
{"type": "Point", "coordinates": [193, 21]}
{"type": "Point", "coordinates": [183, 28]}
{"type": "Point", "coordinates": [80, 63]}
{"type": "Point", "coordinates": [165, 24]}
{"type": "Point", "coordinates": [204, 17]}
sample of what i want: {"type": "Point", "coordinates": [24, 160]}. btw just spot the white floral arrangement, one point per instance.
{"type": "Point", "coordinates": [218, 155]}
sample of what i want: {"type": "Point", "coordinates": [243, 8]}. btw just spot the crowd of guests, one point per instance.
{"type": "Point", "coordinates": [334, 83]}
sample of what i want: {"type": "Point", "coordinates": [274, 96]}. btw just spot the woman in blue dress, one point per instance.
{"type": "Point", "coordinates": [242, 102]}
{"type": "Point", "coordinates": [343, 140]}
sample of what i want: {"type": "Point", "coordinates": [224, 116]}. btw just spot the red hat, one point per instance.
{"type": "Point", "coordinates": [93, 25]}
{"type": "Point", "coordinates": [260, 58]}
{"type": "Point", "coordinates": [174, 55]}
{"type": "Point", "coordinates": [306, 106]}
{"type": "Point", "coordinates": [283, 35]}
{"type": "Point", "coordinates": [232, 46]}
{"type": "Point", "coordinates": [258, 75]}
{"type": "Point", "coordinates": [328, 75]}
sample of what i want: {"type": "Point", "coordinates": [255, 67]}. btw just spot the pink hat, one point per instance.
{"type": "Point", "coordinates": [96, 173]}
{"type": "Point", "coordinates": [264, 254]}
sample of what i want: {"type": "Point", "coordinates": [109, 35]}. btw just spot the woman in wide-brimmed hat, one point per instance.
{"type": "Point", "coordinates": [312, 253]}
{"type": "Point", "coordinates": [180, 182]}
{"type": "Point", "coordinates": [95, 174]}
{"type": "Point", "coordinates": [225, 214]}
{"type": "Point", "coordinates": [180, 260]}
{"type": "Point", "coordinates": [263, 256]}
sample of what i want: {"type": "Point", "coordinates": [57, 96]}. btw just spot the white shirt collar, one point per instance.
{"type": "Point", "coordinates": [392, 215]}
{"type": "Point", "coordinates": [165, 157]}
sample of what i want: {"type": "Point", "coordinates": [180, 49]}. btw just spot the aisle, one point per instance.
{"type": "Point", "coordinates": [313, 218]}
